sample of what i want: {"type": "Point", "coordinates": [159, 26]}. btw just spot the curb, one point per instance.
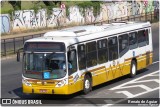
{"type": "Point", "coordinates": [8, 57]}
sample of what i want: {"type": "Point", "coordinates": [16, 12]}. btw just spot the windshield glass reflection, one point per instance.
{"type": "Point", "coordinates": [36, 64]}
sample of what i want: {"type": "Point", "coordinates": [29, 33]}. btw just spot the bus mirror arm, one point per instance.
{"type": "Point", "coordinates": [18, 54]}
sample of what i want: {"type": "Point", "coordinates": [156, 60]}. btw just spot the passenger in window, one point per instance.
{"type": "Point", "coordinates": [63, 65]}
{"type": "Point", "coordinates": [54, 64]}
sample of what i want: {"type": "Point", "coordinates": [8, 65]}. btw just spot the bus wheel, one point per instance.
{"type": "Point", "coordinates": [133, 69]}
{"type": "Point", "coordinates": [87, 85]}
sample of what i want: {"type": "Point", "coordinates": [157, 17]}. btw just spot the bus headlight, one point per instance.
{"type": "Point", "coordinates": [24, 81]}
{"type": "Point", "coordinates": [61, 83]}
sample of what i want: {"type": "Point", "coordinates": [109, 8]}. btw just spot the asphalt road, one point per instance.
{"type": "Point", "coordinates": [144, 85]}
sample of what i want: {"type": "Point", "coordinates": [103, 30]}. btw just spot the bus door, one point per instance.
{"type": "Point", "coordinates": [74, 76]}
{"type": "Point", "coordinates": [147, 33]}
{"type": "Point", "coordinates": [143, 42]}
{"type": "Point", "coordinates": [113, 58]}
{"type": "Point", "coordinates": [123, 45]}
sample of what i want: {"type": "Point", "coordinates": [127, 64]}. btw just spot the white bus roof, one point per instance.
{"type": "Point", "coordinates": [83, 33]}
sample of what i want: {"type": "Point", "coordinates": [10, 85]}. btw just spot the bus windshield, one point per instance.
{"type": "Point", "coordinates": [44, 65]}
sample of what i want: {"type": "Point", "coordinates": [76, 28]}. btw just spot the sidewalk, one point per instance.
{"type": "Point", "coordinates": [28, 33]}
{"type": "Point", "coordinates": [25, 34]}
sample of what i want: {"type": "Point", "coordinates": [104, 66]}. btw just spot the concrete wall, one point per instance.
{"type": "Point", "coordinates": [28, 19]}
{"type": "Point", "coordinates": [5, 23]}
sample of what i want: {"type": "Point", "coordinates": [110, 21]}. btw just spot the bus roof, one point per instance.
{"type": "Point", "coordinates": [84, 33]}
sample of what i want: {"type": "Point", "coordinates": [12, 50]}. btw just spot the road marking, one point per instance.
{"type": "Point", "coordinates": [128, 94]}
{"type": "Point", "coordinates": [15, 97]}
{"type": "Point", "coordinates": [155, 62]}
{"type": "Point", "coordinates": [117, 87]}
{"type": "Point", "coordinates": [155, 80]}
{"type": "Point", "coordinates": [132, 97]}
{"type": "Point", "coordinates": [142, 86]}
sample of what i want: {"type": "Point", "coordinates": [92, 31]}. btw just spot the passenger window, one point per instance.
{"type": "Point", "coordinates": [133, 40]}
{"type": "Point", "coordinates": [91, 54]}
{"type": "Point", "coordinates": [113, 48]}
{"type": "Point", "coordinates": [147, 37]}
{"type": "Point", "coordinates": [123, 44]}
{"type": "Point", "coordinates": [72, 61]}
{"type": "Point", "coordinates": [141, 38]}
{"type": "Point", "coordinates": [102, 51]}
{"type": "Point", "coordinates": [81, 57]}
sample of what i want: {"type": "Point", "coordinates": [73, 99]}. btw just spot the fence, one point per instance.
{"type": "Point", "coordinates": [11, 45]}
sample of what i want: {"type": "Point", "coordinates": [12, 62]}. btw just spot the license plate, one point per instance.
{"type": "Point", "coordinates": [43, 90]}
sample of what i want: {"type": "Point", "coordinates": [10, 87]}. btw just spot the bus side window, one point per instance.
{"type": "Point", "coordinates": [81, 57]}
{"type": "Point", "coordinates": [102, 51]}
{"type": "Point", "coordinates": [141, 38]}
{"type": "Point", "coordinates": [91, 54]}
{"type": "Point", "coordinates": [147, 36]}
{"type": "Point", "coordinates": [123, 44]}
{"type": "Point", "coordinates": [113, 48]}
{"type": "Point", "coordinates": [133, 40]}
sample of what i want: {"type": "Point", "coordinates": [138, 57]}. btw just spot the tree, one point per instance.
{"type": "Point", "coordinates": [51, 3]}
{"type": "Point", "coordinates": [15, 4]}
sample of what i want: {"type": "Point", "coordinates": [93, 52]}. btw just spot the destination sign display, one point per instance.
{"type": "Point", "coordinates": [44, 47]}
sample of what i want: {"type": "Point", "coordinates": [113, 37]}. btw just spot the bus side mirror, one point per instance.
{"type": "Point", "coordinates": [18, 56]}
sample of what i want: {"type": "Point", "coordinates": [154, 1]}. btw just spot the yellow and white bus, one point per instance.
{"type": "Point", "coordinates": [74, 59]}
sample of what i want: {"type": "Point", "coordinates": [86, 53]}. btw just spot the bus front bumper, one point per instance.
{"type": "Point", "coordinates": [44, 89]}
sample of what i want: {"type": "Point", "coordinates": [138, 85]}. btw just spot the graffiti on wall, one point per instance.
{"type": "Point", "coordinates": [5, 23]}
{"type": "Point", "coordinates": [114, 10]}
{"type": "Point", "coordinates": [136, 8]}
{"type": "Point", "coordinates": [55, 19]}
{"type": "Point", "coordinates": [75, 16]}
{"type": "Point", "coordinates": [41, 18]}
{"type": "Point", "coordinates": [29, 19]}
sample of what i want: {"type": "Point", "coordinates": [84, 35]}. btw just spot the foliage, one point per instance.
{"type": "Point", "coordinates": [51, 3]}
{"type": "Point", "coordinates": [96, 5]}
{"type": "Point", "coordinates": [49, 10]}
{"type": "Point", "coordinates": [67, 10]}
{"type": "Point", "coordinates": [89, 4]}
{"type": "Point", "coordinates": [35, 8]}
{"type": "Point", "coordinates": [15, 4]}
{"type": "Point", "coordinates": [6, 8]}
{"type": "Point", "coordinates": [35, 5]}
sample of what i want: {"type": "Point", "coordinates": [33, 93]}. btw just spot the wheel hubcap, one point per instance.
{"type": "Point", "coordinates": [87, 84]}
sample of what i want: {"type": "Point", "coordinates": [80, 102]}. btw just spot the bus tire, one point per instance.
{"type": "Point", "coordinates": [133, 69]}
{"type": "Point", "coordinates": [87, 85]}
